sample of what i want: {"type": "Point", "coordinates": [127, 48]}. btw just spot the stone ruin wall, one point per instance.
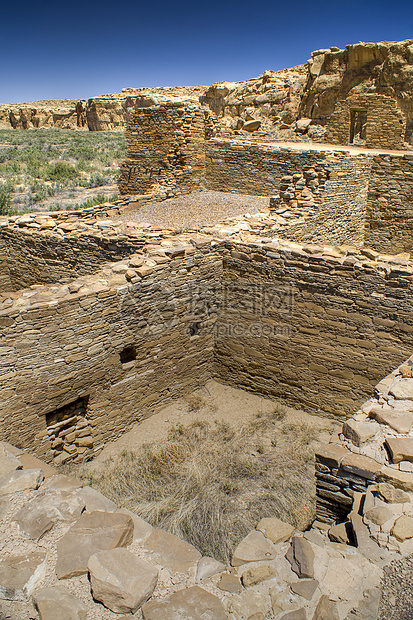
{"type": "Point", "coordinates": [165, 149]}
{"type": "Point", "coordinates": [311, 326]}
{"type": "Point", "coordinates": [124, 349]}
{"type": "Point", "coordinates": [385, 126]}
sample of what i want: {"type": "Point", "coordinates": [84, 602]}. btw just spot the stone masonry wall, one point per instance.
{"type": "Point", "coordinates": [316, 328]}
{"type": "Point", "coordinates": [166, 149]}
{"type": "Point", "coordinates": [389, 218]}
{"type": "Point", "coordinates": [385, 126]}
{"type": "Point", "coordinates": [127, 342]}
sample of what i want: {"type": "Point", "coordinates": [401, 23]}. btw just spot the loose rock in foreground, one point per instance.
{"type": "Point", "coordinates": [58, 604]}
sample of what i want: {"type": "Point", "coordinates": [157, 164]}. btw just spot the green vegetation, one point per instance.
{"type": "Point", "coordinates": [50, 169]}
{"type": "Point", "coordinates": [210, 483]}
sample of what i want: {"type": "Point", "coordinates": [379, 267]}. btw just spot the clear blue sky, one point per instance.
{"type": "Point", "coordinates": [59, 50]}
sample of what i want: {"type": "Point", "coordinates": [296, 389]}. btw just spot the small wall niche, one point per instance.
{"type": "Point", "coordinates": [70, 433]}
{"type": "Point", "coordinates": [358, 124]}
{"type": "Point", "coordinates": [194, 329]}
{"type": "Point", "coordinates": [128, 354]}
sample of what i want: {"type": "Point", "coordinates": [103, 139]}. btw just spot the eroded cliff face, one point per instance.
{"type": "Point", "coordinates": [384, 68]}
{"type": "Point", "coordinates": [102, 113]}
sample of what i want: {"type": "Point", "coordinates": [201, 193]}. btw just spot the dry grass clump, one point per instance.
{"type": "Point", "coordinates": [210, 483]}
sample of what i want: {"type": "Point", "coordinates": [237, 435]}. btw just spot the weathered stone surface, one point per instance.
{"type": "Point", "coordinates": [403, 528]}
{"type": "Point", "coordinates": [249, 605]}
{"type": "Point", "coordinates": [61, 483]}
{"type": "Point", "coordinates": [94, 500]}
{"type": "Point", "coordinates": [170, 551]}
{"type": "Point", "coordinates": [399, 479]}
{"type": "Point", "coordinates": [326, 610]}
{"type": "Point", "coordinates": [98, 531]}
{"type": "Point", "coordinates": [388, 493]}
{"type": "Point", "coordinates": [305, 588]}
{"type": "Point", "coordinates": [253, 548]}
{"type": "Point", "coordinates": [229, 583]}
{"type": "Point", "coordinates": [141, 528]}
{"type": "Point", "coordinates": [8, 462]}
{"type": "Point", "coordinates": [20, 480]}
{"type": "Point", "coordinates": [41, 513]}
{"type": "Point", "coordinates": [251, 125]}
{"type": "Point", "coordinates": [399, 421]}
{"type": "Point", "coordinates": [191, 604]}
{"type": "Point", "coordinates": [121, 581]}
{"type": "Point", "coordinates": [29, 461]}
{"type": "Point", "coordinates": [400, 448]}
{"type": "Point", "coordinates": [207, 567]}
{"type": "Point", "coordinates": [57, 603]}
{"type": "Point", "coordinates": [360, 465]}
{"type": "Point", "coordinates": [4, 506]}
{"type": "Point", "coordinates": [402, 389]}
{"type": "Point", "coordinates": [255, 575]}
{"type": "Point", "coordinates": [297, 614]}
{"type": "Point", "coordinates": [339, 533]}
{"type": "Point", "coordinates": [331, 454]}
{"type": "Point", "coordinates": [365, 544]}
{"type": "Point", "coordinates": [359, 432]}
{"type": "Point", "coordinates": [301, 557]}
{"type": "Point", "coordinates": [20, 574]}
{"type": "Point", "coordinates": [367, 607]}
{"type": "Point", "coordinates": [282, 599]}
{"type": "Point", "coordinates": [379, 515]}
{"type": "Point", "coordinates": [275, 529]}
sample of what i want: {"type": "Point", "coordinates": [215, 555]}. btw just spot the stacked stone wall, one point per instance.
{"type": "Point", "coordinates": [316, 329]}
{"type": "Point", "coordinates": [389, 218]}
{"type": "Point", "coordinates": [166, 149]}
{"type": "Point", "coordinates": [73, 347]}
{"type": "Point", "coordinates": [385, 126]}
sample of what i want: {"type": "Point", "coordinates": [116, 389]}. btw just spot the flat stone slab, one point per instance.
{"type": "Point", "coordinates": [331, 454]}
{"type": "Point", "coordinates": [401, 422]}
{"type": "Point", "coordinates": [20, 480]}
{"type": "Point", "coordinates": [399, 479]}
{"type": "Point", "coordinates": [326, 609]}
{"type": "Point", "coordinates": [253, 548]}
{"type": "Point", "coordinates": [305, 588]}
{"type": "Point", "coordinates": [98, 531]}
{"type": "Point", "coordinates": [171, 552]}
{"type": "Point", "coordinates": [301, 557]}
{"type": "Point", "coordinates": [296, 614]}
{"type": "Point", "coordinates": [29, 461]}
{"type": "Point", "coordinates": [402, 389]}
{"type": "Point", "coordinates": [61, 483]}
{"type": "Point", "coordinates": [141, 528]}
{"type": "Point", "coordinates": [403, 528]}
{"type": "Point", "coordinates": [20, 574]}
{"type": "Point", "coordinates": [94, 500]}
{"type": "Point", "coordinates": [207, 567]}
{"type": "Point", "coordinates": [388, 493]}
{"type": "Point", "coordinates": [194, 603]}
{"type": "Point", "coordinates": [40, 514]}
{"type": "Point", "coordinates": [360, 465]}
{"type": "Point", "coordinates": [121, 581]}
{"type": "Point", "coordinates": [359, 432]}
{"type": "Point", "coordinates": [57, 603]}
{"type": "Point", "coordinates": [400, 449]}
{"type": "Point", "coordinates": [275, 530]}
{"type": "Point", "coordinates": [229, 583]}
{"type": "Point", "coordinates": [379, 515]}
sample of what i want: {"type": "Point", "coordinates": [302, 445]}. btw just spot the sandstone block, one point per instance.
{"type": "Point", "coordinates": [401, 422]}
{"type": "Point", "coordinates": [301, 557]}
{"type": "Point", "coordinates": [190, 604]}
{"type": "Point", "coordinates": [229, 583]}
{"type": "Point", "coordinates": [331, 454]}
{"type": "Point", "coordinates": [94, 500]}
{"type": "Point", "coordinates": [305, 588]}
{"type": "Point", "coordinates": [207, 567]}
{"type": "Point", "coordinates": [257, 574]}
{"type": "Point", "coordinates": [296, 614]}
{"type": "Point", "coordinates": [141, 528]}
{"type": "Point", "coordinates": [399, 479]}
{"type": "Point", "coordinates": [58, 603]}
{"type": "Point", "coordinates": [41, 513]}
{"type": "Point", "coordinates": [326, 610]}
{"type": "Point", "coordinates": [121, 581]}
{"type": "Point", "coordinates": [403, 528]}
{"type": "Point", "coordinates": [20, 480]}
{"type": "Point", "coordinates": [400, 449]}
{"type": "Point", "coordinates": [29, 461]}
{"type": "Point", "coordinates": [8, 462]}
{"type": "Point", "coordinates": [388, 493]}
{"type": "Point", "coordinates": [275, 529]}
{"type": "Point", "coordinates": [20, 574]}
{"type": "Point", "coordinates": [98, 531]}
{"type": "Point", "coordinates": [170, 551]}
{"type": "Point", "coordinates": [360, 465]}
{"type": "Point", "coordinates": [359, 432]}
{"type": "Point", "coordinates": [379, 515]}
{"type": "Point", "coordinates": [402, 389]}
{"type": "Point", "coordinates": [253, 548]}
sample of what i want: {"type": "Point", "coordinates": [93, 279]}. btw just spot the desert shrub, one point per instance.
{"type": "Point", "coordinates": [210, 483]}
{"type": "Point", "coordinates": [60, 172]}
{"type": "Point", "coordinates": [5, 198]}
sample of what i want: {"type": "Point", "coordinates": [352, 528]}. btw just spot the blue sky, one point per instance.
{"type": "Point", "coordinates": [59, 50]}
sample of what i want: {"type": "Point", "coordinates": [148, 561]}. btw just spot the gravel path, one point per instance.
{"type": "Point", "coordinates": [196, 210]}
{"type": "Point", "coordinates": [397, 591]}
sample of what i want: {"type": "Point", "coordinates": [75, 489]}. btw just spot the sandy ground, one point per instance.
{"type": "Point", "coordinates": [214, 401]}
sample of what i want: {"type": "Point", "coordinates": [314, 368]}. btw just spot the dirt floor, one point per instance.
{"type": "Point", "coordinates": [214, 401]}
{"type": "Point", "coordinates": [196, 210]}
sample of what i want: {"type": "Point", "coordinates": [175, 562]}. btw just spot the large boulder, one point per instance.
{"type": "Point", "coordinates": [121, 581]}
